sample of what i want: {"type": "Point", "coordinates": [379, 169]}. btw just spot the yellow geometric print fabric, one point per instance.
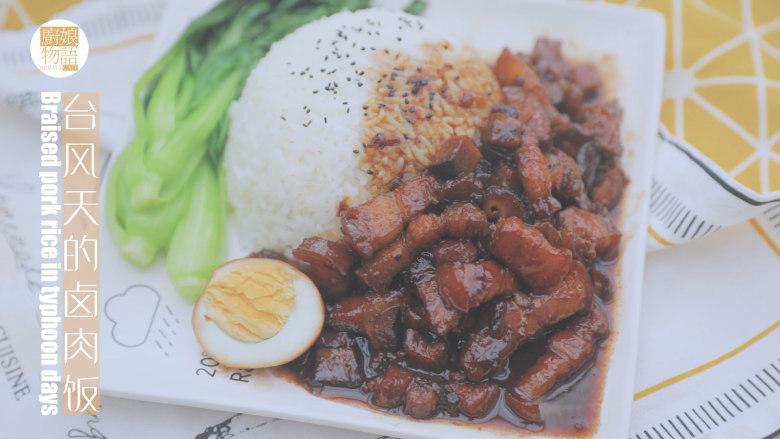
{"type": "Point", "coordinates": [722, 84]}
{"type": "Point", "coordinates": [15, 14]}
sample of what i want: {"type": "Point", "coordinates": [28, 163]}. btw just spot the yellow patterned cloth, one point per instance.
{"type": "Point", "coordinates": [718, 153]}
{"type": "Point", "coordinates": [15, 14]}
{"type": "Point", "coordinates": [722, 88]}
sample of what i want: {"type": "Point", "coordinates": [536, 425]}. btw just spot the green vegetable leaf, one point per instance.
{"type": "Point", "coordinates": [416, 7]}
{"type": "Point", "coordinates": [161, 192]}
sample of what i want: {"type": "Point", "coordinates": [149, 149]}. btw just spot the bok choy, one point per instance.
{"type": "Point", "coordinates": [165, 192]}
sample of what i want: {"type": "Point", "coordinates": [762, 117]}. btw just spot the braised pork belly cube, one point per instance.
{"type": "Point", "coordinates": [329, 265]}
{"type": "Point", "coordinates": [468, 285]}
{"type": "Point", "coordinates": [423, 352]}
{"type": "Point", "coordinates": [338, 367]}
{"type": "Point", "coordinates": [585, 232]}
{"type": "Point", "coordinates": [377, 222]}
{"type": "Point", "coordinates": [457, 155]}
{"type": "Point", "coordinates": [476, 400]}
{"type": "Point", "coordinates": [609, 190]}
{"type": "Point", "coordinates": [528, 254]}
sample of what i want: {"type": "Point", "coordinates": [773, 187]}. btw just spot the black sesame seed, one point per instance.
{"type": "Point", "coordinates": [315, 91]}
{"type": "Point", "coordinates": [365, 107]}
{"type": "Point", "coordinates": [419, 69]}
{"type": "Point", "coordinates": [428, 116]}
{"type": "Point", "coordinates": [412, 110]}
{"type": "Point", "coordinates": [283, 118]}
{"type": "Point", "coordinates": [410, 121]}
{"type": "Point", "coordinates": [405, 94]}
{"type": "Point", "coordinates": [325, 119]}
{"type": "Point", "coordinates": [397, 257]}
{"type": "Point", "coordinates": [360, 84]}
{"type": "Point", "coordinates": [370, 172]}
{"type": "Point", "coordinates": [355, 151]}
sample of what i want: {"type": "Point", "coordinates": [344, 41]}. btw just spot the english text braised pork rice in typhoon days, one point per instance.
{"type": "Point", "coordinates": [456, 214]}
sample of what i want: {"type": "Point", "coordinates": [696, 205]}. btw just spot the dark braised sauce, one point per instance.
{"type": "Point", "coordinates": [479, 291]}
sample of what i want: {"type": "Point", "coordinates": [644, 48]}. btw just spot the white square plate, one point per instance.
{"type": "Point", "coordinates": [149, 351]}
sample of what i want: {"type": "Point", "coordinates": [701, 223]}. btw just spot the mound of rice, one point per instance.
{"type": "Point", "coordinates": [301, 144]}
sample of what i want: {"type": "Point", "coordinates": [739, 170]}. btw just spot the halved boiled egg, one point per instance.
{"type": "Point", "coordinates": [258, 313]}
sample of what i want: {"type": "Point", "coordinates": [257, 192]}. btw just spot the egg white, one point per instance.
{"type": "Point", "coordinates": [296, 336]}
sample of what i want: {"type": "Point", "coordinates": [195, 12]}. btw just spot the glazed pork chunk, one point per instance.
{"type": "Point", "coordinates": [528, 254]}
{"type": "Point", "coordinates": [567, 350]}
{"type": "Point", "coordinates": [519, 318]}
{"type": "Point", "coordinates": [376, 223]}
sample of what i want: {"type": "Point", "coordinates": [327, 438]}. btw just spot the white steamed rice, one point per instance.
{"type": "Point", "coordinates": [287, 168]}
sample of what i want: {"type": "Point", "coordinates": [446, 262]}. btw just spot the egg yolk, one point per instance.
{"type": "Point", "coordinates": [251, 302]}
